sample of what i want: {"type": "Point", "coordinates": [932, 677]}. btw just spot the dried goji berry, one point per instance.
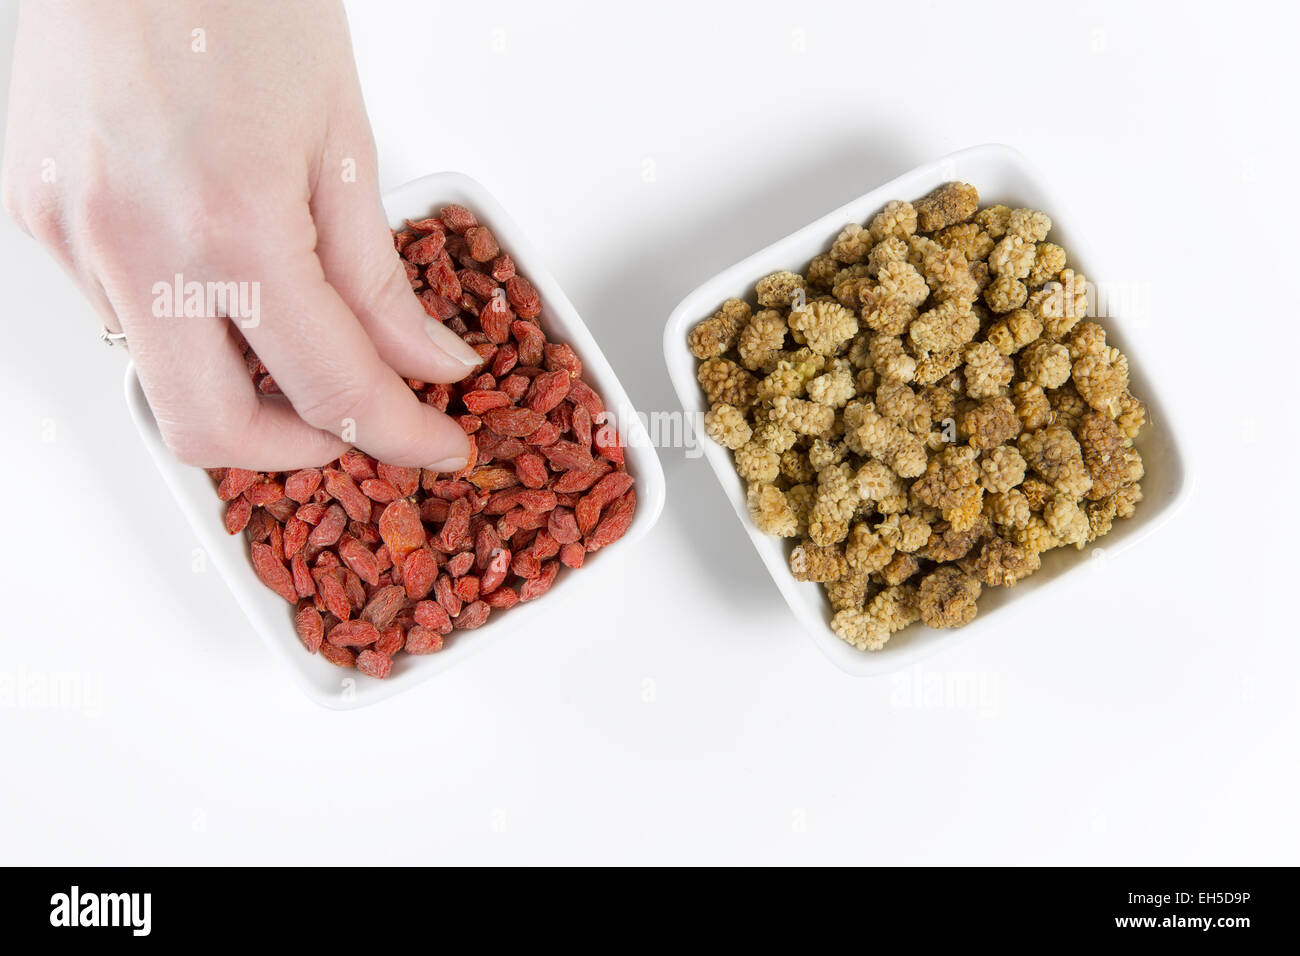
{"type": "Point", "coordinates": [563, 526]}
{"type": "Point", "coordinates": [544, 545]}
{"type": "Point", "coordinates": [513, 422]}
{"type": "Point", "coordinates": [391, 639]}
{"type": "Point", "coordinates": [295, 535]}
{"type": "Point", "coordinates": [455, 529]}
{"type": "Point", "coordinates": [495, 318]}
{"type": "Point", "coordinates": [330, 585]}
{"type": "Point", "coordinates": [405, 480]}
{"type": "Point", "coordinates": [310, 627]}
{"type": "Point", "coordinates": [535, 588]}
{"type": "Point", "coordinates": [460, 564]}
{"type": "Point", "coordinates": [383, 606]}
{"type": "Point", "coordinates": [376, 489]}
{"type": "Point", "coordinates": [235, 483]}
{"type": "Point", "coordinates": [443, 280]}
{"type": "Point", "coordinates": [457, 218]}
{"type": "Point", "coordinates": [344, 489]}
{"type": "Point", "coordinates": [467, 588]}
{"type": "Point", "coordinates": [618, 518]}
{"type": "Point", "coordinates": [445, 593]}
{"type": "Point", "coordinates": [494, 575]}
{"type": "Point", "coordinates": [479, 283]}
{"type": "Point", "coordinates": [358, 465]}
{"type": "Point", "coordinates": [311, 512]}
{"type": "Point", "coordinates": [419, 571]}
{"type": "Point", "coordinates": [523, 297]}
{"type": "Point", "coordinates": [494, 478]}
{"type": "Point", "coordinates": [531, 470]}
{"type": "Point", "coordinates": [438, 307]}
{"type": "Point", "coordinates": [273, 572]}
{"type": "Point", "coordinates": [302, 580]}
{"type": "Point", "coordinates": [359, 558]}
{"type": "Point", "coordinates": [474, 615]}
{"type": "Point", "coordinates": [528, 336]}
{"type": "Point", "coordinates": [502, 598]}
{"type": "Point", "coordinates": [568, 456]}
{"type": "Point", "coordinates": [374, 664]}
{"type": "Point", "coordinates": [425, 250]}
{"type": "Point", "coordinates": [301, 485]}
{"type": "Point", "coordinates": [432, 615]}
{"type": "Point", "coordinates": [329, 528]}
{"type": "Point", "coordinates": [237, 514]}
{"type": "Point", "coordinates": [503, 268]}
{"type": "Point", "coordinates": [581, 480]}
{"type": "Point", "coordinates": [422, 640]}
{"type": "Point", "coordinates": [580, 424]}
{"type": "Point", "coordinates": [401, 529]}
{"type": "Point", "coordinates": [571, 555]}
{"type": "Point", "coordinates": [559, 357]}
{"type": "Point", "coordinates": [341, 656]}
{"type": "Point", "coordinates": [352, 634]}
{"type": "Point", "coordinates": [479, 401]}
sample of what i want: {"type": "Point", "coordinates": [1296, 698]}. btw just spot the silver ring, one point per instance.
{"type": "Point", "coordinates": [112, 338]}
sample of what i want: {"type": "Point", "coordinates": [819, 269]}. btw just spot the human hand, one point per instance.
{"type": "Point", "coordinates": [228, 143]}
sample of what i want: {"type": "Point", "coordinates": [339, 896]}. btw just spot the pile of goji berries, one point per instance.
{"type": "Point", "coordinates": [377, 558]}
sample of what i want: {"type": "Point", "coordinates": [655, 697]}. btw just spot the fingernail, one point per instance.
{"type": "Point", "coordinates": [451, 343]}
{"type": "Point", "coordinates": [455, 463]}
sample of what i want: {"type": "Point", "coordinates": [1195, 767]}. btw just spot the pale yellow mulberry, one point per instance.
{"type": "Point", "coordinates": [719, 333]}
{"type": "Point", "coordinates": [1001, 469]}
{"type": "Point", "coordinates": [1045, 363]}
{"type": "Point", "coordinates": [813, 562]}
{"type": "Point", "coordinates": [761, 341]}
{"type": "Point", "coordinates": [1049, 260]}
{"type": "Point", "coordinates": [804, 417]}
{"type": "Point", "coordinates": [947, 597]}
{"type": "Point", "coordinates": [826, 326]}
{"type": "Point", "coordinates": [1102, 379]}
{"type": "Point", "coordinates": [988, 371]}
{"type": "Point", "coordinates": [852, 244]}
{"type": "Point", "coordinates": [949, 204]}
{"type": "Point", "coordinates": [1005, 293]}
{"type": "Point", "coordinates": [780, 289]}
{"type": "Point", "coordinates": [834, 387]}
{"type": "Point", "coordinates": [837, 500]}
{"type": "Point", "coordinates": [756, 463]}
{"type": "Point", "coordinates": [1029, 224]}
{"type": "Point", "coordinates": [900, 282]}
{"type": "Point", "coordinates": [771, 511]}
{"type": "Point", "coordinates": [1012, 256]}
{"type": "Point", "coordinates": [1055, 454]}
{"type": "Point", "coordinates": [896, 221]}
{"type": "Point", "coordinates": [947, 326]}
{"type": "Point", "coordinates": [727, 426]}
{"type": "Point", "coordinates": [726, 382]}
{"type": "Point", "coordinates": [1009, 508]}
{"type": "Point", "coordinates": [1001, 564]}
{"type": "Point", "coordinates": [1066, 520]}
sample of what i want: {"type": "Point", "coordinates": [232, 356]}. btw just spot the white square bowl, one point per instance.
{"type": "Point", "coordinates": [325, 683]}
{"type": "Point", "coordinates": [1002, 175]}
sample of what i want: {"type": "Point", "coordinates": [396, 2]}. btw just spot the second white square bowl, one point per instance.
{"type": "Point", "coordinates": [1002, 175]}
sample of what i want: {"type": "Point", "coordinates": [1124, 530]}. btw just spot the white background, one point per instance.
{"type": "Point", "coordinates": [679, 715]}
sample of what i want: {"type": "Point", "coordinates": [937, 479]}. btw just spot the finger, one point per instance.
{"type": "Point", "coordinates": [197, 384]}
{"type": "Point", "coordinates": [355, 248]}
{"type": "Point", "coordinates": [323, 360]}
